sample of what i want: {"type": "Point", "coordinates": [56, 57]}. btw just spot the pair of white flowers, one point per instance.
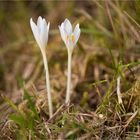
{"type": "Point", "coordinates": [70, 38]}
{"type": "Point", "coordinates": [41, 30]}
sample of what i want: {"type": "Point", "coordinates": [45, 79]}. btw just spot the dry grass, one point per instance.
{"type": "Point", "coordinates": [108, 47]}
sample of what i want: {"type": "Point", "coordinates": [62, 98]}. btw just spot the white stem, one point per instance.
{"type": "Point", "coordinates": [47, 83]}
{"type": "Point", "coordinates": [118, 90]}
{"type": "Point", "coordinates": [68, 92]}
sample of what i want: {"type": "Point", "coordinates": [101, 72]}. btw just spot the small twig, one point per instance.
{"type": "Point", "coordinates": [30, 135]}
{"type": "Point", "coordinates": [59, 111]}
{"type": "Point", "coordinates": [130, 119]}
{"type": "Point", "coordinates": [83, 114]}
{"type": "Point", "coordinates": [128, 122]}
{"type": "Point", "coordinates": [85, 137]}
{"type": "Point", "coordinates": [48, 130]}
{"type": "Point", "coordinates": [71, 132]}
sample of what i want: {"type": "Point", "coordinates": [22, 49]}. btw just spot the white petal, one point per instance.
{"type": "Point", "coordinates": [76, 33]}
{"type": "Point", "coordinates": [47, 34]}
{"type": "Point", "coordinates": [67, 27]}
{"type": "Point", "coordinates": [48, 27]}
{"type": "Point", "coordinates": [44, 32]}
{"type": "Point", "coordinates": [39, 23]}
{"type": "Point", "coordinates": [35, 32]}
{"type": "Point", "coordinates": [62, 32]}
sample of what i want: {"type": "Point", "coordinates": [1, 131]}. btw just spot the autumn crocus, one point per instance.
{"type": "Point", "coordinates": [40, 32]}
{"type": "Point", "coordinates": [70, 39]}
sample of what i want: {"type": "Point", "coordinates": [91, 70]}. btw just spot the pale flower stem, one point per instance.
{"type": "Point", "coordinates": [118, 90]}
{"type": "Point", "coordinates": [68, 91]}
{"type": "Point", "coordinates": [47, 83]}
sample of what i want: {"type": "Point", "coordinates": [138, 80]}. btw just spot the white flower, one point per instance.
{"type": "Point", "coordinates": [69, 36]}
{"type": "Point", "coordinates": [70, 39]}
{"type": "Point", "coordinates": [40, 31]}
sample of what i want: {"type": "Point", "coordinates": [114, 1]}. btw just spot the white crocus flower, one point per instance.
{"type": "Point", "coordinates": [69, 36]}
{"type": "Point", "coordinates": [70, 39]}
{"type": "Point", "coordinates": [40, 31]}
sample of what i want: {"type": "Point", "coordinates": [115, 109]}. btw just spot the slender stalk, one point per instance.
{"type": "Point", "coordinates": [118, 90]}
{"type": "Point", "coordinates": [47, 83]}
{"type": "Point", "coordinates": [68, 92]}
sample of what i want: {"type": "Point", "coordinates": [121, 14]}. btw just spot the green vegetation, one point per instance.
{"type": "Point", "coordinates": [109, 46]}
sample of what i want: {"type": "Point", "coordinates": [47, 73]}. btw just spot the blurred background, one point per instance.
{"type": "Point", "coordinates": [110, 37]}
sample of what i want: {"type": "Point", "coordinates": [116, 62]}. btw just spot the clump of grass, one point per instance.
{"type": "Point", "coordinates": [74, 122]}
